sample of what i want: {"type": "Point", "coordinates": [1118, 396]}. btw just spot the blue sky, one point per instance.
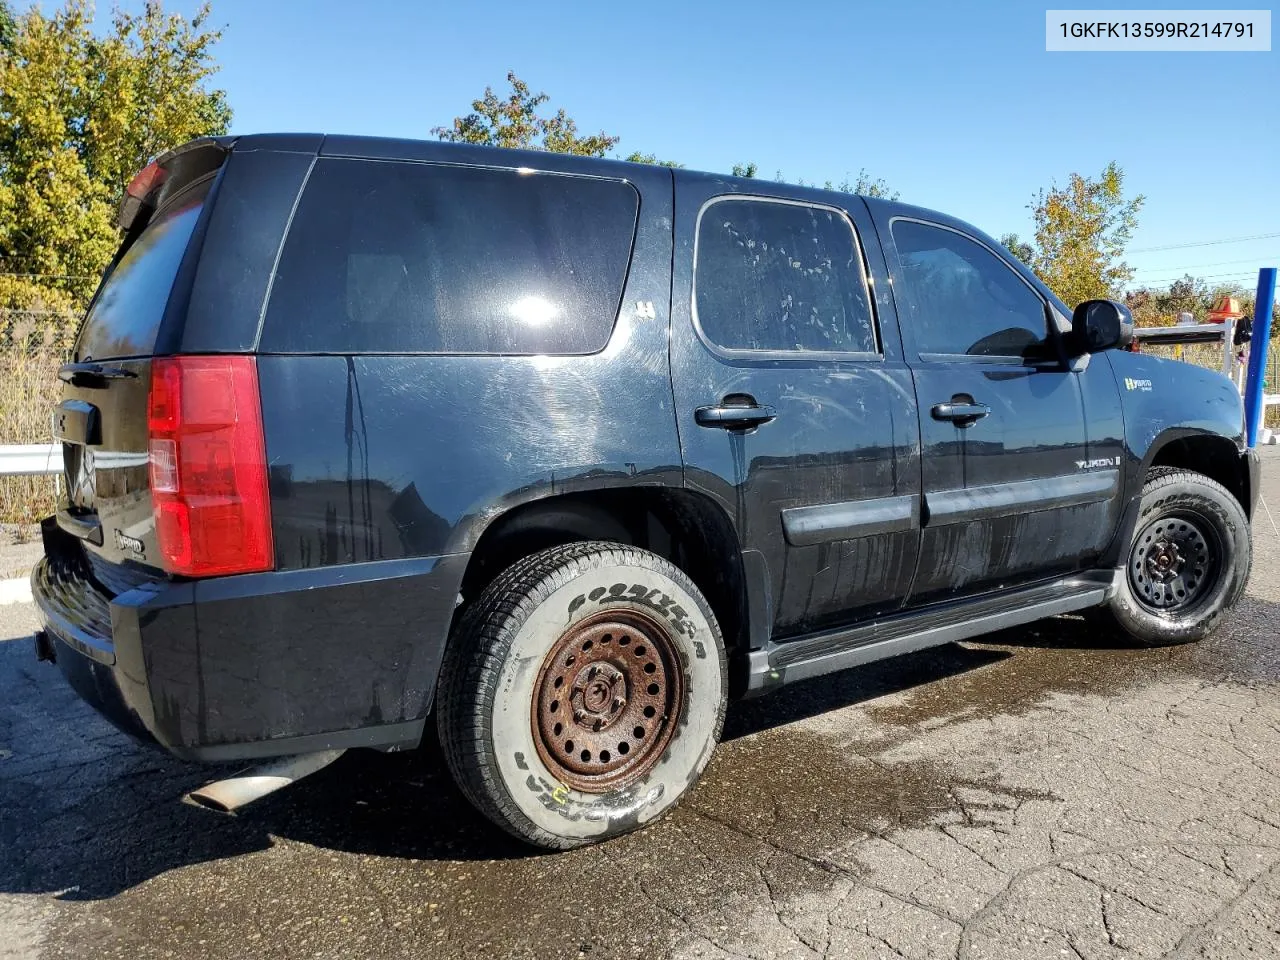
{"type": "Point", "coordinates": [957, 106]}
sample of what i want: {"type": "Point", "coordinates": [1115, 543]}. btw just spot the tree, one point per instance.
{"type": "Point", "coordinates": [515, 122]}
{"type": "Point", "coordinates": [1019, 248]}
{"type": "Point", "coordinates": [1160, 306]}
{"type": "Point", "coordinates": [637, 157]}
{"type": "Point", "coordinates": [864, 184]}
{"type": "Point", "coordinates": [79, 116]}
{"type": "Point", "coordinates": [8, 25]}
{"type": "Point", "coordinates": [1081, 233]}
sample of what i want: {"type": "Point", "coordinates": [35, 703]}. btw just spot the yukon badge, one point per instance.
{"type": "Point", "coordinates": [1094, 464]}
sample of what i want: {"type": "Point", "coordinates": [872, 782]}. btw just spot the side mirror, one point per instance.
{"type": "Point", "coordinates": [1098, 325]}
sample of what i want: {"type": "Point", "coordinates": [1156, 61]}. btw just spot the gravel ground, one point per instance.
{"type": "Point", "coordinates": [20, 548]}
{"type": "Point", "coordinates": [1045, 793]}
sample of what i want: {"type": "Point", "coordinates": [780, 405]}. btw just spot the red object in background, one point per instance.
{"type": "Point", "coordinates": [1228, 308]}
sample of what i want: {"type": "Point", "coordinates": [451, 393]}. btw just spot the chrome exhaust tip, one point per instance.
{"type": "Point", "coordinates": [254, 783]}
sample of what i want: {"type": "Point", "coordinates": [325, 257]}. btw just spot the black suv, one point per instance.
{"type": "Point", "coordinates": [569, 449]}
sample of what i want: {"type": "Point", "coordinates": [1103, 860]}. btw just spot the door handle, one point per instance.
{"type": "Point", "coordinates": [733, 418]}
{"type": "Point", "coordinates": [962, 414]}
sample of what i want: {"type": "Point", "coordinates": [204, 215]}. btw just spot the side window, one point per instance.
{"type": "Point", "coordinates": [780, 276]}
{"type": "Point", "coordinates": [426, 258]}
{"type": "Point", "coordinates": [962, 299]}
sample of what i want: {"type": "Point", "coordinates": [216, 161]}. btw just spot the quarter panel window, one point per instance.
{"type": "Point", "coordinates": [780, 277]}
{"type": "Point", "coordinates": [961, 299]}
{"type": "Point", "coordinates": [426, 258]}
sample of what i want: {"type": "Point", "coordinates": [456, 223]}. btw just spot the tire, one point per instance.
{"type": "Point", "coordinates": [1188, 562]}
{"type": "Point", "coordinates": [582, 693]}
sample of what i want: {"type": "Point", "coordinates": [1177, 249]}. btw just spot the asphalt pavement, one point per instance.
{"type": "Point", "coordinates": [1048, 792]}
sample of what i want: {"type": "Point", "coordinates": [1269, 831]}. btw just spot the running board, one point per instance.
{"type": "Point", "coordinates": [832, 650]}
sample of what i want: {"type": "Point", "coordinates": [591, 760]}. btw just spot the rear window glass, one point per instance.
{"type": "Point", "coordinates": [418, 258]}
{"type": "Point", "coordinates": [125, 317]}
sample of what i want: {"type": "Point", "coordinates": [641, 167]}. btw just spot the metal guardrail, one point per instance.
{"type": "Point", "coordinates": [30, 459]}
{"type": "Point", "coordinates": [45, 459]}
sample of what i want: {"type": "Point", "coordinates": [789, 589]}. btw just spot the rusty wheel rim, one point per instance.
{"type": "Point", "coordinates": [607, 700]}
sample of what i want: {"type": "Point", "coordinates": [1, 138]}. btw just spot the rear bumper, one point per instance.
{"type": "Point", "coordinates": [258, 665]}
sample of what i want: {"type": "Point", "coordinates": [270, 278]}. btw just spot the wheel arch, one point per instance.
{"type": "Point", "coordinates": [1213, 455]}
{"type": "Point", "coordinates": [685, 527]}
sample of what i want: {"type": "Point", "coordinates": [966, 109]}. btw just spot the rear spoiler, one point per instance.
{"type": "Point", "coordinates": [167, 174]}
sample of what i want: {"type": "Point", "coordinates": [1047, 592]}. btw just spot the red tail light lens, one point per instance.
{"type": "Point", "coordinates": [208, 466]}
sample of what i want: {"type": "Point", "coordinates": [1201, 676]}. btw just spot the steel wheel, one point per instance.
{"type": "Point", "coordinates": [1174, 562]}
{"type": "Point", "coordinates": [607, 700]}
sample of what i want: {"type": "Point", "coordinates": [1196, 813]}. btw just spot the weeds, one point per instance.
{"type": "Point", "coordinates": [29, 390]}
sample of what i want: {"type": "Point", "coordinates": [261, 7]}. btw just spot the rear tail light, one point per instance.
{"type": "Point", "coordinates": [208, 466]}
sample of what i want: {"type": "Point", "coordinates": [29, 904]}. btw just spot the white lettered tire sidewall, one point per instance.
{"type": "Point", "coordinates": [545, 801]}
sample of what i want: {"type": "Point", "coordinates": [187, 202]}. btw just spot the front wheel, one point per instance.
{"type": "Point", "coordinates": [1188, 562]}
{"type": "Point", "coordinates": [582, 693]}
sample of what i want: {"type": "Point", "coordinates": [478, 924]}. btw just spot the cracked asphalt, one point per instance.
{"type": "Point", "coordinates": [1048, 792]}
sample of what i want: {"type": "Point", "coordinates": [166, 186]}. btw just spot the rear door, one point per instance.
{"type": "Point", "coordinates": [1010, 491]}
{"type": "Point", "coordinates": [795, 410]}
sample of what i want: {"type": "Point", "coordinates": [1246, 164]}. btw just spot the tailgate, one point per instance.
{"type": "Point", "coordinates": [102, 425]}
{"type": "Point", "coordinates": [102, 418]}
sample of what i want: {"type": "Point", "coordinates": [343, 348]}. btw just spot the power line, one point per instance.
{"type": "Point", "coordinates": [1240, 285]}
{"type": "Point", "coordinates": [1205, 243]}
{"type": "Point", "coordinates": [1201, 266]}
{"type": "Point", "coordinates": [1207, 276]}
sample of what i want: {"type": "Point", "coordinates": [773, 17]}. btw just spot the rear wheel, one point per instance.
{"type": "Point", "coordinates": [582, 693]}
{"type": "Point", "coordinates": [1188, 562]}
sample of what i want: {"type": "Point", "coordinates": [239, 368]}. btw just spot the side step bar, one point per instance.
{"type": "Point", "coordinates": [832, 650]}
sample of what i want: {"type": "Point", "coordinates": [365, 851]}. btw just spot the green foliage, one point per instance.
{"type": "Point", "coordinates": [1019, 248]}
{"type": "Point", "coordinates": [79, 115]}
{"type": "Point", "coordinates": [515, 122]}
{"type": "Point", "coordinates": [1081, 233]}
{"type": "Point", "coordinates": [864, 184]}
{"type": "Point", "coordinates": [8, 25]}
{"type": "Point", "coordinates": [1160, 306]}
{"type": "Point", "coordinates": [637, 157]}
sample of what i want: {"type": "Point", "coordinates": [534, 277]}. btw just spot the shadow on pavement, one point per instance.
{"type": "Point", "coordinates": [87, 813]}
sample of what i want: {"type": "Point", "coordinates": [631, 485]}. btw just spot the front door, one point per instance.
{"type": "Point", "coordinates": [1010, 491]}
{"type": "Point", "coordinates": [795, 410]}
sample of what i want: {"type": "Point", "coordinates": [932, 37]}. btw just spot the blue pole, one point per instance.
{"type": "Point", "coordinates": [1253, 409]}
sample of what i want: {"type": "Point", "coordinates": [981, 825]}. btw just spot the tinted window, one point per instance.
{"type": "Point", "coordinates": [125, 317]}
{"type": "Point", "coordinates": [781, 276]}
{"type": "Point", "coordinates": [417, 258]}
{"type": "Point", "coordinates": [963, 299]}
